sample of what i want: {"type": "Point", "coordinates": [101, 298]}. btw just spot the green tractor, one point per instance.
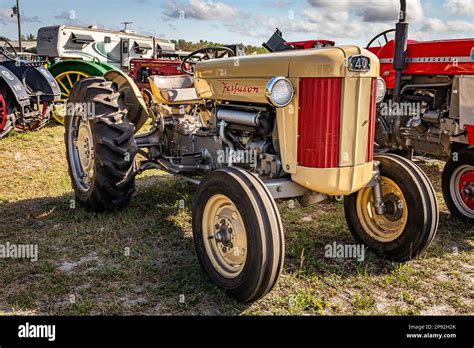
{"type": "Point", "coordinates": [67, 73]}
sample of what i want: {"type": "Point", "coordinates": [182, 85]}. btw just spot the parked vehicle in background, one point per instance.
{"type": "Point", "coordinates": [27, 92]}
{"type": "Point", "coordinates": [115, 48]}
{"type": "Point", "coordinates": [79, 52]}
{"type": "Point", "coordinates": [165, 64]}
{"type": "Point", "coordinates": [429, 106]}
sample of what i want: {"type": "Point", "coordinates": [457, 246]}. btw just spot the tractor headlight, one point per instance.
{"type": "Point", "coordinates": [380, 89]}
{"type": "Point", "coordinates": [279, 91]}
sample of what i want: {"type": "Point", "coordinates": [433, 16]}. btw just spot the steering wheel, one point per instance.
{"type": "Point", "coordinates": [188, 63]}
{"type": "Point", "coordinates": [13, 54]}
{"type": "Point", "coordinates": [384, 34]}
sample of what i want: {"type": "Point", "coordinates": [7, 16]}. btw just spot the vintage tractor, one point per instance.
{"type": "Point", "coordinates": [276, 43]}
{"type": "Point", "coordinates": [67, 73]}
{"type": "Point", "coordinates": [164, 64]}
{"type": "Point", "coordinates": [250, 130]}
{"type": "Point", "coordinates": [27, 92]}
{"type": "Point", "coordinates": [429, 106]}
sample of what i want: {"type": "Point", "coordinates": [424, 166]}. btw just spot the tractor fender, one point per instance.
{"type": "Point", "coordinates": [89, 68]}
{"type": "Point", "coordinates": [40, 79]}
{"type": "Point", "coordinates": [137, 109]}
{"type": "Point", "coordinates": [15, 86]}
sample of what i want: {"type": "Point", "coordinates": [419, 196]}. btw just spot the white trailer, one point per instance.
{"type": "Point", "coordinates": [115, 48]}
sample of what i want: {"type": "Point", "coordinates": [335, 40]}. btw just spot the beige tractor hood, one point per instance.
{"type": "Point", "coordinates": [326, 62]}
{"type": "Point", "coordinates": [244, 78]}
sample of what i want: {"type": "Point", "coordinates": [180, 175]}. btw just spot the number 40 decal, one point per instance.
{"type": "Point", "coordinates": [359, 63]}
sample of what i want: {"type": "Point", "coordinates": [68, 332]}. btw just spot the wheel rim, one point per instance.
{"type": "Point", "coordinates": [462, 181]}
{"type": "Point", "coordinates": [81, 152]}
{"type": "Point", "coordinates": [66, 81]}
{"type": "Point", "coordinates": [388, 227]}
{"type": "Point", "coordinates": [224, 236]}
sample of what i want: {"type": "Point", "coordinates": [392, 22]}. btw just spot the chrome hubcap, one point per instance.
{"type": "Point", "coordinates": [462, 189]}
{"type": "Point", "coordinates": [81, 152]}
{"type": "Point", "coordinates": [225, 237]}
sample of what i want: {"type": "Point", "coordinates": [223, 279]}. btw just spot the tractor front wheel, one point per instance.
{"type": "Point", "coordinates": [410, 220]}
{"type": "Point", "coordinates": [458, 185]}
{"type": "Point", "coordinates": [100, 147]}
{"type": "Point", "coordinates": [238, 233]}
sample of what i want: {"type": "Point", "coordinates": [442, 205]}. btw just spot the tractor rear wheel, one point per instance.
{"type": "Point", "coordinates": [458, 185]}
{"type": "Point", "coordinates": [100, 147]}
{"type": "Point", "coordinates": [238, 233]}
{"type": "Point", "coordinates": [410, 221]}
{"type": "Point", "coordinates": [67, 73]}
{"type": "Point", "coordinates": [66, 81]}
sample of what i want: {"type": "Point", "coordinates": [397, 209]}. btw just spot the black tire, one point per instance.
{"type": "Point", "coordinates": [6, 112]}
{"type": "Point", "coordinates": [8, 126]}
{"type": "Point", "coordinates": [422, 211]}
{"type": "Point", "coordinates": [452, 194]}
{"type": "Point", "coordinates": [264, 233]}
{"type": "Point", "coordinates": [112, 183]}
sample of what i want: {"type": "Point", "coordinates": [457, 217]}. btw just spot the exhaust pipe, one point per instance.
{"type": "Point", "coordinates": [399, 56]}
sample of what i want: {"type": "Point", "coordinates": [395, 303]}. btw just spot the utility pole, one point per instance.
{"type": "Point", "coordinates": [125, 24]}
{"type": "Point", "coordinates": [16, 12]}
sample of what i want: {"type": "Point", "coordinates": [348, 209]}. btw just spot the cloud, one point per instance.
{"type": "Point", "coordinates": [70, 18]}
{"type": "Point", "coordinates": [6, 18]}
{"type": "Point", "coordinates": [33, 19]}
{"type": "Point", "coordinates": [387, 10]}
{"type": "Point", "coordinates": [460, 7]}
{"type": "Point", "coordinates": [330, 4]}
{"type": "Point", "coordinates": [201, 10]}
{"type": "Point", "coordinates": [314, 15]}
{"type": "Point", "coordinates": [436, 25]}
{"type": "Point", "coordinates": [279, 3]}
{"type": "Point", "coordinates": [373, 11]}
{"type": "Point", "coordinates": [66, 15]}
{"type": "Point", "coordinates": [311, 25]}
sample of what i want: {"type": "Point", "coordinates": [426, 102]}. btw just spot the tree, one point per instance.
{"type": "Point", "coordinates": [29, 37]}
{"type": "Point", "coordinates": [188, 46]}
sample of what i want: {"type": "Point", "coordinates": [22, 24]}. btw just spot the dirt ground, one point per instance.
{"type": "Point", "coordinates": [141, 260]}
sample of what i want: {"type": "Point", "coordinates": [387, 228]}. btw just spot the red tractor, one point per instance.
{"type": "Point", "coordinates": [165, 64]}
{"type": "Point", "coordinates": [428, 106]}
{"type": "Point", "coordinates": [277, 44]}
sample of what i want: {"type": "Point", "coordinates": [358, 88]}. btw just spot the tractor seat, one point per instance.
{"type": "Point", "coordinates": [177, 89]}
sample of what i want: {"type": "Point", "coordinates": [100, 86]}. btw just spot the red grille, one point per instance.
{"type": "Point", "coordinates": [470, 134]}
{"type": "Point", "coordinates": [370, 145]}
{"type": "Point", "coordinates": [319, 122]}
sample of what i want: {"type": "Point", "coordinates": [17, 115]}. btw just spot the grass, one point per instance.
{"type": "Point", "coordinates": [142, 261]}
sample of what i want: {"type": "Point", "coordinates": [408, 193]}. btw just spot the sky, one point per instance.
{"type": "Point", "coordinates": [248, 21]}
